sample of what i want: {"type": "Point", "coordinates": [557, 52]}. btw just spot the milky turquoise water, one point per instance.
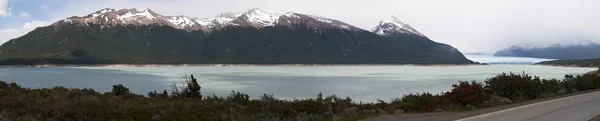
{"type": "Point", "coordinates": [362, 83]}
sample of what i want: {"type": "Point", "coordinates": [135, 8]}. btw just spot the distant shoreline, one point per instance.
{"type": "Point", "coordinates": [205, 65]}
{"type": "Point", "coordinates": [569, 65]}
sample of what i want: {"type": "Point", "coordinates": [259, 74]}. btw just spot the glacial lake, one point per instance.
{"type": "Point", "coordinates": [361, 83]}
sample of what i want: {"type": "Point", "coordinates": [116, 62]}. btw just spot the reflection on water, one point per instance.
{"type": "Point", "coordinates": [362, 83]}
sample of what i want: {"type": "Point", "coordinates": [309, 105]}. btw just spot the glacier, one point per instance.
{"type": "Point", "coordinates": [490, 59]}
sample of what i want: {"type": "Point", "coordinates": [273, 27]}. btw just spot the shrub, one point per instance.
{"type": "Point", "coordinates": [119, 90]}
{"type": "Point", "coordinates": [525, 87]}
{"type": "Point", "coordinates": [510, 85]}
{"type": "Point", "coordinates": [238, 98]}
{"type": "Point", "coordinates": [163, 95]}
{"type": "Point", "coordinates": [15, 86]}
{"type": "Point", "coordinates": [153, 94]}
{"type": "Point", "coordinates": [551, 86]}
{"type": "Point", "coordinates": [569, 83]}
{"type": "Point", "coordinates": [587, 82]}
{"type": "Point", "coordinates": [3, 85]}
{"type": "Point", "coordinates": [581, 82]}
{"type": "Point", "coordinates": [424, 102]}
{"type": "Point", "coordinates": [466, 93]}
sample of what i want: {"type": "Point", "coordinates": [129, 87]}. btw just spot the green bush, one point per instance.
{"type": "Point", "coordinates": [424, 102]}
{"type": "Point", "coordinates": [540, 88]}
{"type": "Point", "coordinates": [510, 85]}
{"type": "Point", "coordinates": [3, 85]}
{"type": "Point", "coordinates": [238, 98]}
{"type": "Point", "coordinates": [522, 87]}
{"type": "Point", "coordinates": [587, 82]}
{"type": "Point", "coordinates": [119, 90]}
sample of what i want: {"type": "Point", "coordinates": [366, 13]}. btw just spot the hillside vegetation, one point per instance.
{"type": "Point", "coordinates": [157, 44]}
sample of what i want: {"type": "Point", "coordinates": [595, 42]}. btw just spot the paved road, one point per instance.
{"type": "Point", "coordinates": [574, 108]}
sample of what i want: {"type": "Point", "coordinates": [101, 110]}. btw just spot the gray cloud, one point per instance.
{"type": "Point", "coordinates": [469, 25]}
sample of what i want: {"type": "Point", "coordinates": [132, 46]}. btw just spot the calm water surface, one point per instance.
{"type": "Point", "coordinates": [362, 83]}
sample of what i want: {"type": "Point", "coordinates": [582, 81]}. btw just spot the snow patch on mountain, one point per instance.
{"type": "Point", "coordinates": [181, 21]}
{"type": "Point", "coordinates": [566, 44]}
{"type": "Point", "coordinates": [262, 18]}
{"type": "Point", "coordinates": [562, 44]}
{"type": "Point", "coordinates": [331, 21]}
{"type": "Point", "coordinates": [321, 19]}
{"type": "Point", "coordinates": [251, 18]}
{"type": "Point", "coordinates": [109, 16]}
{"type": "Point", "coordinates": [218, 21]}
{"type": "Point", "coordinates": [393, 26]}
{"type": "Point", "coordinates": [136, 15]}
{"type": "Point", "coordinates": [292, 15]}
{"type": "Point", "coordinates": [98, 13]}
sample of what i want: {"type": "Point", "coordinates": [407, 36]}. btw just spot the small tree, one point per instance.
{"type": "Point", "coordinates": [3, 84]}
{"type": "Point", "coordinates": [164, 95]}
{"type": "Point", "coordinates": [193, 88]}
{"type": "Point", "coordinates": [120, 90]}
{"type": "Point", "coordinates": [239, 98]}
{"type": "Point", "coordinates": [152, 94]}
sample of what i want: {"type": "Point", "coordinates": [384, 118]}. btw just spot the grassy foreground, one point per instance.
{"type": "Point", "coordinates": [188, 103]}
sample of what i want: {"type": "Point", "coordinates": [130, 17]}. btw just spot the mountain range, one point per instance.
{"type": "Point", "coordinates": [563, 51]}
{"type": "Point", "coordinates": [131, 36]}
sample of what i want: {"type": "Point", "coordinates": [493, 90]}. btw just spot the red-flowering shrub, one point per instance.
{"type": "Point", "coordinates": [466, 93]}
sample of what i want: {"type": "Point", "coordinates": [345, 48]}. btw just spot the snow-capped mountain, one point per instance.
{"type": "Point", "coordinates": [109, 16]}
{"type": "Point", "coordinates": [562, 44]}
{"type": "Point", "coordinates": [567, 44]}
{"type": "Point", "coordinates": [259, 18]}
{"type": "Point", "coordinates": [562, 50]}
{"type": "Point", "coordinates": [251, 18]}
{"type": "Point", "coordinates": [394, 26]}
{"type": "Point", "coordinates": [131, 36]}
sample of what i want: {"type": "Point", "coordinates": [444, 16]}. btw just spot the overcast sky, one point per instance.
{"type": "Point", "coordinates": [469, 25]}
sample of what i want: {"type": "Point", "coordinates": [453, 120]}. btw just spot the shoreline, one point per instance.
{"type": "Point", "coordinates": [207, 65]}
{"type": "Point", "coordinates": [570, 65]}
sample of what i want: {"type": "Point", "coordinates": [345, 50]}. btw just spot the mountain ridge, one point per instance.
{"type": "Point", "coordinates": [252, 18]}
{"type": "Point", "coordinates": [562, 50]}
{"type": "Point", "coordinates": [256, 17]}
{"type": "Point", "coordinates": [130, 36]}
{"type": "Point", "coordinates": [394, 26]}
